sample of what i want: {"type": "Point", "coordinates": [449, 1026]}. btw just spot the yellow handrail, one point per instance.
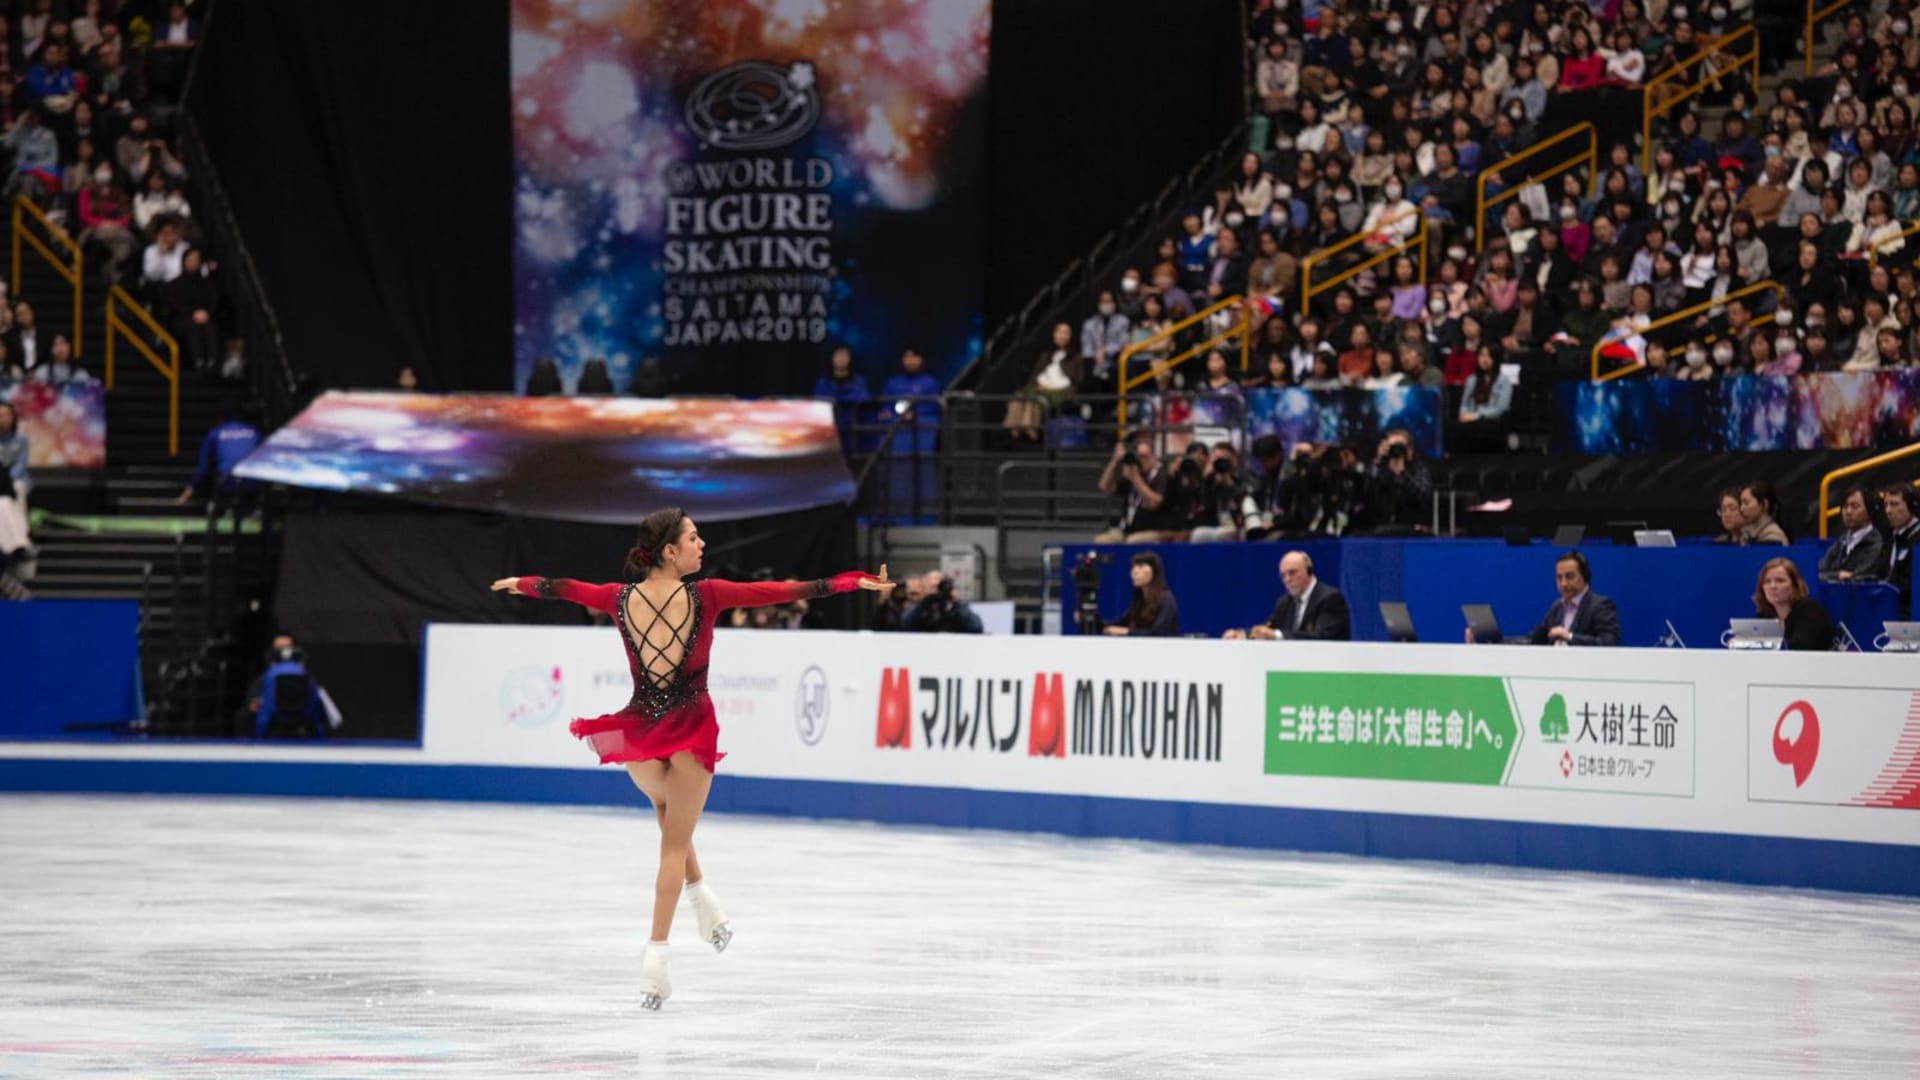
{"type": "Point", "coordinates": [1813, 20]}
{"type": "Point", "coordinates": [73, 275]}
{"type": "Point", "coordinates": [1826, 482]}
{"type": "Point", "coordinates": [1308, 290]}
{"type": "Point", "coordinates": [1244, 328]}
{"type": "Point", "coordinates": [1591, 158]}
{"type": "Point", "coordinates": [1712, 47]}
{"type": "Point", "coordinates": [119, 301]}
{"type": "Point", "coordinates": [1682, 316]}
{"type": "Point", "coordinates": [1873, 249]}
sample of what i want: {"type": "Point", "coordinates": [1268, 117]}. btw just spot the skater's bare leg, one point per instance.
{"type": "Point", "coordinates": [651, 778]}
{"type": "Point", "coordinates": [686, 796]}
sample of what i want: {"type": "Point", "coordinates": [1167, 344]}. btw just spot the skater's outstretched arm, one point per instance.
{"type": "Point", "coordinates": [732, 594]}
{"type": "Point", "coordinates": [597, 597]}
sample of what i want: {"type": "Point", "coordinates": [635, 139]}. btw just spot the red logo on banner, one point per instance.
{"type": "Point", "coordinates": [1799, 748]}
{"type": "Point", "coordinates": [894, 724]}
{"type": "Point", "coordinates": [1048, 735]}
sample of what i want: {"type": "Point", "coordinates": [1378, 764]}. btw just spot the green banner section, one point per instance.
{"type": "Point", "coordinates": [1447, 728]}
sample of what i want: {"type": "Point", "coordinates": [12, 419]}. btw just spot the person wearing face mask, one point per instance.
{"type": "Point", "coordinates": [1697, 365]}
{"type": "Point", "coordinates": [1528, 90]}
{"type": "Point", "coordinates": [1102, 336]}
{"type": "Point", "coordinates": [1393, 219]}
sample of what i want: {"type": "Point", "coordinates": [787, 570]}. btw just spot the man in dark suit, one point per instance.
{"type": "Point", "coordinates": [1581, 616]}
{"type": "Point", "coordinates": [1903, 535]}
{"type": "Point", "coordinates": [1309, 609]}
{"type": "Point", "coordinates": [1857, 554]}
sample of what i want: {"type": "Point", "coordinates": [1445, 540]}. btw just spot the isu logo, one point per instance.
{"type": "Point", "coordinates": [1796, 740]}
{"type": "Point", "coordinates": [531, 696]}
{"type": "Point", "coordinates": [1098, 717]}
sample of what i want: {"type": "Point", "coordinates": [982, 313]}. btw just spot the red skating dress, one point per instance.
{"type": "Point", "coordinates": [670, 710]}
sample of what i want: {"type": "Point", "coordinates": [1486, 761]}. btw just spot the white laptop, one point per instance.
{"type": "Point", "coordinates": [1902, 637]}
{"type": "Point", "coordinates": [1754, 633]}
{"type": "Point", "coordinates": [1653, 538]}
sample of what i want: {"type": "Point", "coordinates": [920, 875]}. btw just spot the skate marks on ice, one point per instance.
{"type": "Point", "coordinates": [157, 937]}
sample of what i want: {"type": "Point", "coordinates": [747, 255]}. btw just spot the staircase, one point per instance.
{"type": "Point", "coordinates": [118, 533]}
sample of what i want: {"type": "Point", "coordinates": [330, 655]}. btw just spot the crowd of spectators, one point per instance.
{"type": "Point", "coordinates": [1375, 113]}
{"type": "Point", "coordinates": [87, 99]}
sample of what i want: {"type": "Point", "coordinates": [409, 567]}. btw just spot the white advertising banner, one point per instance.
{"type": "Point", "coordinates": [1653, 739]}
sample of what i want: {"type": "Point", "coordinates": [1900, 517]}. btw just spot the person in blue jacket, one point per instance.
{"type": "Point", "coordinates": [225, 446]}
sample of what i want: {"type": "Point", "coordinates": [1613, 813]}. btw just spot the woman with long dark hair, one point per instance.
{"type": "Point", "coordinates": [666, 736]}
{"type": "Point", "coordinates": [1153, 611]}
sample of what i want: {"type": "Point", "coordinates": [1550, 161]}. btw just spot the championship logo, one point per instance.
{"type": "Point", "coordinates": [754, 105]}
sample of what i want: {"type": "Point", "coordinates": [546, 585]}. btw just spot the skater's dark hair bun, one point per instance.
{"type": "Point", "coordinates": [657, 530]}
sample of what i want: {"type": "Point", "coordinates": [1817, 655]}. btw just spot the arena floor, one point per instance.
{"type": "Point", "coordinates": [166, 937]}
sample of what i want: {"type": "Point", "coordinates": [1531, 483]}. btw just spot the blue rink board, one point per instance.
{"type": "Point", "coordinates": [1751, 860]}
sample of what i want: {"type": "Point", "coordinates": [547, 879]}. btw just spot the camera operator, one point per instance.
{"type": "Point", "coordinates": [285, 660]}
{"type": "Point", "coordinates": [1224, 491]}
{"type": "Point", "coordinates": [1135, 475]}
{"type": "Point", "coordinates": [940, 612]}
{"type": "Point", "coordinates": [1402, 489]}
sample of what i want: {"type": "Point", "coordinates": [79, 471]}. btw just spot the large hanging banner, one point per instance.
{"type": "Point", "coordinates": [733, 187]}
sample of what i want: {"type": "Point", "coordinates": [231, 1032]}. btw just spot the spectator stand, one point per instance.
{"type": "Point", "coordinates": [1234, 317]}
{"type": "Point", "coordinates": [127, 320]}
{"type": "Point", "coordinates": [1506, 186]}
{"type": "Point", "coordinates": [1347, 268]}
{"type": "Point", "coordinates": [1699, 325]}
{"type": "Point", "coordinates": [1818, 13]}
{"type": "Point", "coordinates": [33, 229]}
{"type": "Point", "coordinates": [1722, 56]}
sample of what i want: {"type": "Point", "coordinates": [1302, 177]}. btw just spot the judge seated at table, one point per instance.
{"type": "Point", "coordinates": [1309, 609]}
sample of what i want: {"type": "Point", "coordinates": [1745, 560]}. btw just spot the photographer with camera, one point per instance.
{"type": "Point", "coordinates": [1135, 475]}
{"type": "Point", "coordinates": [1224, 493]}
{"type": "Point", "coordinates": [1402, 489]}
{"type": "Point", "coordinates": [286, 698]}
{"type": "Point", "coordinates": [939, 611]}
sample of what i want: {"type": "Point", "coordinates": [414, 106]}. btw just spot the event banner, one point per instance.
{"type": "Point", "coordinates": [733, 187]}
{"type": "Point", "coordinates": [1828, 411]}
{"type": "Point", "coordinates": [65, 425]}
{"type": "Point", "coordinates": [1614, 737]}
{"type": "Point", "coordinates": [1356, 418]}
{"type": "Point", "coordinates": [599, 459]}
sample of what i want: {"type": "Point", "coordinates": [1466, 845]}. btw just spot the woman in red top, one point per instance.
{"type": "Point", "coordinates": [667, 736]}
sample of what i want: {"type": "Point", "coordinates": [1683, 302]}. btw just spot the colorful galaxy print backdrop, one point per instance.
{"type": "Point", "coordinates": [733, 186]}
{"type": "Point", "coordinates": [599, 459]}
{"type": "Point", "coordinates": [65, 426]}
{"type": "Point", "coordinates": [1835, 411]}
{"type": "Point", "coordinates": [1357, 418]}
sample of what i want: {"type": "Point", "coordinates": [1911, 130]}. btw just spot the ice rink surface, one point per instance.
{"type": "Point", "coordinates": [166, 937]}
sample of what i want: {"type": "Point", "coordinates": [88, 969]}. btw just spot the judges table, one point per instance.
{"type": "Point", "coordinates": [1695, 586]}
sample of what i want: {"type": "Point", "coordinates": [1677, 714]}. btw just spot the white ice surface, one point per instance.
{"type": "Point", "coordinates": [164, 937]}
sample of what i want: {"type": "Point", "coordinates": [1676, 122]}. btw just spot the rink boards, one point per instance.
{"type": "Point", "coordinates": [1797, 769]}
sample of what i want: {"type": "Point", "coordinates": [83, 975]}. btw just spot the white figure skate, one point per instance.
{"type": "Point", "coordinates": [714, 928]}
{"type": "Point", "coordinates": [655, 987]}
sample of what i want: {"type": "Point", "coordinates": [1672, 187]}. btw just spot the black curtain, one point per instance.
{"type": "Point", "coordinates": [364, 147]}
{"type": "Point", "coordinates": [1095, 105]}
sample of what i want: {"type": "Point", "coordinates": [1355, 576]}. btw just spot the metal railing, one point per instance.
{"type": "Point", "coordinates": [1829, 511]}
{"type": "Point", "coordinates": [1873, 249]}
{"type": "Point", "coordinates": [1683, 315]}
{"type": "Point", "coordinates": [1309, 290]}
{"type": "Point", "coordinates": [1815, 14]}
{"type": "Point", "coordinates": [1723, 46]}
{"type": "Point", "coordinates": [119, 302]}
{"type": "Point", "coordinates": [1241, 327]}
{"type": "Point", "coordinates": [73, 273]}
{"type": "Point", "coordinates": [1590, 157]}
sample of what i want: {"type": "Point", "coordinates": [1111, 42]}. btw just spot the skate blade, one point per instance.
{"type": "Point", "coordinates": [721, 937]}
{"type": "Point", "coordinates": [650, 1002]}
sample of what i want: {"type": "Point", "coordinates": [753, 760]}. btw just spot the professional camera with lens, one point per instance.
{"type": "Point", "coordinates": [1397, 452]}
{"type": "Point", "coordinates": [1086, 591]}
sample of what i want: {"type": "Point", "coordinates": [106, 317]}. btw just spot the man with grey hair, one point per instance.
{"type": "Point", "coordinates": [1309, 609]}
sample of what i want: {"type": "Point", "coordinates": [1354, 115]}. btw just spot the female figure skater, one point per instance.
{"type": "Point", "coordinates": [667, 736]}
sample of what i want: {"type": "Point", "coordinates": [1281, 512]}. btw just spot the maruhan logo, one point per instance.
{"type": "Point", "coordinates": [1796, 740]}
{"type": "Point", "coordinates": [1104, 718]}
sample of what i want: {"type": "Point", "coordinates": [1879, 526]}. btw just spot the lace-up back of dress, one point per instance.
{"type": "Point", "coordinates": [660, 634]}
{"type": "Point", "coordinates": [659, 640]}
